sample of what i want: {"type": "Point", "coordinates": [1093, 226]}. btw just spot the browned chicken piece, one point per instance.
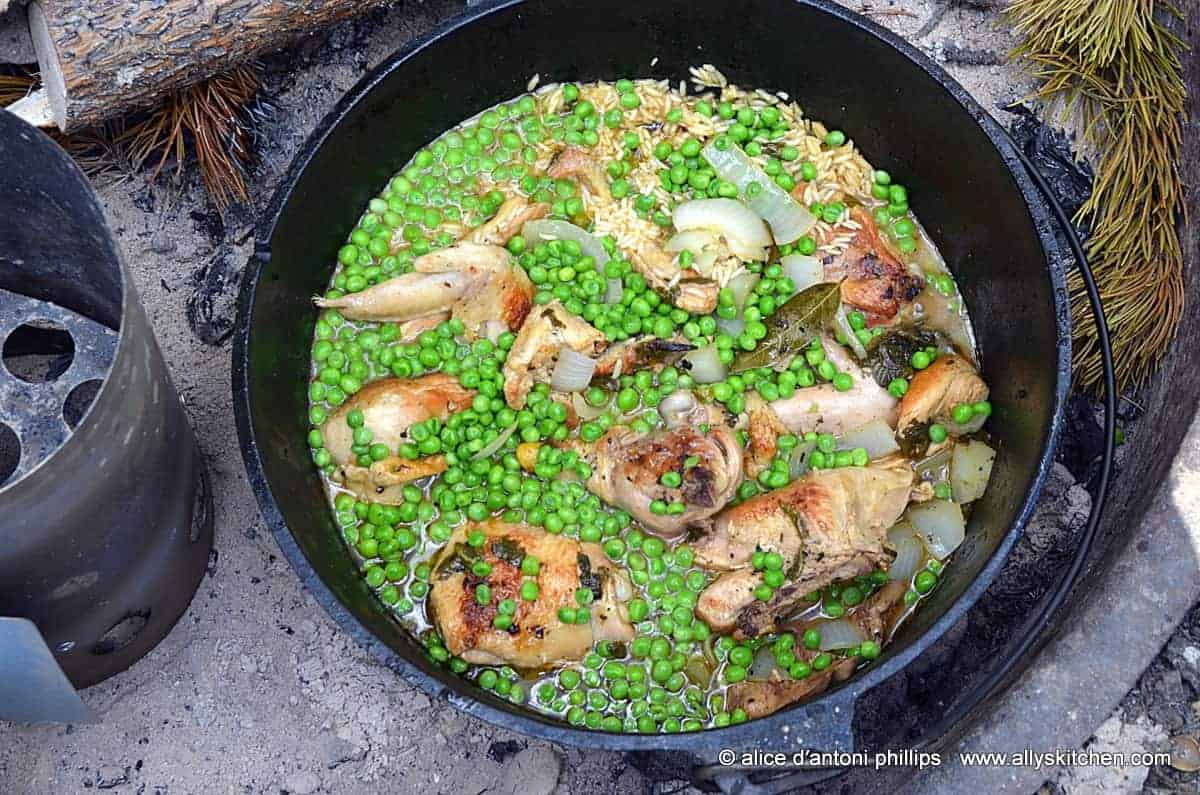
{"type": "Point", "coordinates": [576, 162]}
{"type": "Point", "coordinates": [828, 525]}
{"type": "Point", "coordinates": [384, 481]}
{"type": "Point", "coordinates": [507, 221]}
{"type": "Point", "coordinates": [537, 637]}
{"type": "Point", "coordinates": [725, 598]}
{"type": "Point", "coordinates": [759, 699]}
{"type": "Point", "coordinates": [389, 407]}
{"type": "Point", "coordinates": [535, 350]}
{"type": "Point", "coordinates": [873, 278]}
{"type": "Point", "coordinates": [765, 428]}
{"type": "Point", "coordinates": [683, 287]}
{"type": "Point", "coordinates": [629, 466]}
{"type": "Point", "coordinates": [934, 392]}
{"type": "Point", "coordinates": [480, 285]}
{"type": "Point", "coordinates": [824, 409]}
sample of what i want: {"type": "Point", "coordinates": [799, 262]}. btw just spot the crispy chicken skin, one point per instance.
{"type": "Point", "coordinates": [627, 466]}
{"type": "Point", "coordinates": [763, 698]}
{"type": "Point", "coordinates": [479, 284]}
{"type": "Point", "coordinates": [537, 638]}
{"type": "Point", "coordinates": [507, 222]}
{"type": "Point", "coordinates": [825, 410]}
{"type": "Point", "coordinates": [828, 525]}
{"type": "Point", "coordinates": [873, 278]}
{"type": "Point", "coordinates": [934, 392]}
{"type": "Point", "coordinates": [535, 350]}
{"type": "Point", "coordinates": [389, 407]}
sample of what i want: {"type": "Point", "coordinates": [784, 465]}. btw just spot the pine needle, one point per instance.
{"type": "Point", "coordinates": [1116, 64]}
{"type": "Point", "coordinates": [211, 118]}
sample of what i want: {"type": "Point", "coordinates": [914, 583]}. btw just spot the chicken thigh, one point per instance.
{"type": "Point", "coordinates": [828, 525]}
{"type": "Point", "coordinates": [537, 637]}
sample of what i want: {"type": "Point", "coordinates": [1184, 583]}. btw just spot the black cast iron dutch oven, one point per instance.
{"type": "Point", "coordinates": [904, 113]}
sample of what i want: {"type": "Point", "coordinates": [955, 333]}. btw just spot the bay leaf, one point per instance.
{"type": "Point", "coordinates": [793, 326]}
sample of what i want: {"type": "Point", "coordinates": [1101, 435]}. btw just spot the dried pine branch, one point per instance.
{"type": "Point", "coordinates": [1116, 63]}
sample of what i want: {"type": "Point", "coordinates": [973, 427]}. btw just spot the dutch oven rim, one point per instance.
{"type": "Point", "coordinates": [522, 719]}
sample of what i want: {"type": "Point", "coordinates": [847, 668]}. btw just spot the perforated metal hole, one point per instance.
{"type": "Point", "coordinates": [79, 400]}
{"type": "Point", "coordinates": [122, 633]}
{"type": "Point", "coordinates": [38, 351]}
{"type": "Point", "coordinates": [10, 453]}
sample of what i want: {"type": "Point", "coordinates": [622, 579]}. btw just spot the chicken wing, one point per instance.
{"type": "Point", "coordinates": [826, 410]}
{"type": "Point", "coordinates": [479, 284]}
{"type": "Point", "coordinates": [390, 406]}
{"type": "Point", "coordinates": [576, 162]}
{"type": "Point", "coordinates": [537, 637]}
{"type": "Point", "coordinates": [873, 278]}
{"type": "Point", "coordinates": [934, 392]}
{"type": "Point", "coordinates": [629, 468]}
{"type": "Point", "coordinates": [684, 287]}
{"type": "Point", "coordinates": [765, 697]}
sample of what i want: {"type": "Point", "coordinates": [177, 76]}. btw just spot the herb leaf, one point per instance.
{"type": "Point", "coordinates": [794, 325]}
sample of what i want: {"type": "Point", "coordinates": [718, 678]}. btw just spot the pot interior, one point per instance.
{"type": "Point", "coordinates": [898, 114]}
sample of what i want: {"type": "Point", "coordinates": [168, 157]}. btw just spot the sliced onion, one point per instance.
{"type": "Point", "coordinates": [573, 371]}
{"type": "Point", "coordinates": [740, 286]}
{"type": "Point", "coordinates": [733, 326]}
{"type": "Point", "coordinates": [704, 261]}
{"type": "Point", "coordinates": [802, 269]}
{"type": "Point", "coordinates": [744, 232]}
{"type": "Point", "coordinates": [585, 410]}
{"type": "Point", "coordinates": [615, 292]}
{"type": "Point", "coordinates": [798, 461]}
{"type": "Point", "coordinates": [839, 634]}
{"type": "Point", "coordinates": [876, 437]}
{"type": "Point", "coordinates": [788, 220]}
{"type": "Point", "coordinates": [693, 240]}
{"type": "Point", "coordinates": [541, 230]}
{"type": "Point", "coordinates": [490, 448]}
{"type": "Point", "coordinates": [763, 665]}
{"type": "Point", "coordinates": [940, 524]}
{"type": "Point", "coordinates": [843, 325]}
{"type": "Point", "coordinates": [707, 367]}
{"type": "Point", "coordinates": [910, 552]}
{"type": "Point", "coordinates": [970, 468]}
